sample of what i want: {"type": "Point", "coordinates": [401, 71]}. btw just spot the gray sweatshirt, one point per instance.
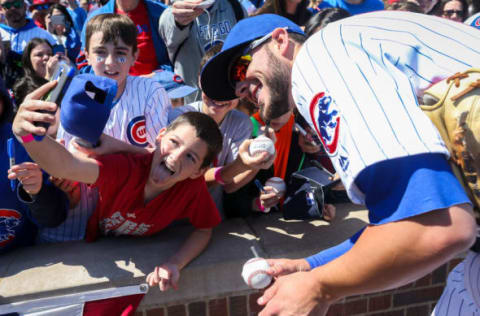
{"type": "Point", "coordinates": [204, 32]}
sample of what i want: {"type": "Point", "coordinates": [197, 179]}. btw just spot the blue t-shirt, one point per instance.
{"type": "Point", "coordinates": [16, 229]}
{"type": "Point", "coordinates": [365, 6]}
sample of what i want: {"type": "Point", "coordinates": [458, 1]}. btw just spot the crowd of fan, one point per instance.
{"type": "Point", "coordinates": [148, 47]}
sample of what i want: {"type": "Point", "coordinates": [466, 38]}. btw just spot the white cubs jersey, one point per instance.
{"type": "Point", "coordinates": [356, 81]}
{"type": "Point", "coordinates": [136, 118]}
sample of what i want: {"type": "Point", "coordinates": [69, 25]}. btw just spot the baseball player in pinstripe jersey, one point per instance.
{"type": "Point", "coordinates": [139, 112]}
{"type": "Point", "coordinates": [356, 83]}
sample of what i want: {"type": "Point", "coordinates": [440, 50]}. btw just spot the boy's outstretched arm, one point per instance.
{"type": "Point", "coordinates": [50, 155]}
{"type": "Point", "coordinates": [168, 274]}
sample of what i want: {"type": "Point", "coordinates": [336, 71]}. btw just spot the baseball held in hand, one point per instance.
{"type": "Point", "coordinates": [278, 184]}
{"type": "Point", "coordinates": [254, 273]}
{"type": "Point", "coordinates": [260, 145]}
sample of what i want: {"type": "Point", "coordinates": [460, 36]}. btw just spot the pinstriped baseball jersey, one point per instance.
{"type": "Point", "coordinates": [136, 118]}
{"type": "Point", "coordinates": [356, 81]}
{"type": "Point", "coordinates": [461, 295]}
{"type": "Point", "coordinates": [19, 38]}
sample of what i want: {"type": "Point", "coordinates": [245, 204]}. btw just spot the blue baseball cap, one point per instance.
{"type": "Point", "coordinates": [173, 84]}
{"type": "Point", "coordinates": [86, 106]}
{"type": "Point", "coordinates": [215, 76]}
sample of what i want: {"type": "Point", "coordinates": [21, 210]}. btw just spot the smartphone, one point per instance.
{"type": "Point", "coordinates": [63, 74]}
{"type": "Point", "coordinates": [58, 19]}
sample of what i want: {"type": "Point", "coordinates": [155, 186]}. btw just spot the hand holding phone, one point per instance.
{"type": "Point", "coordinates": [64, 74]}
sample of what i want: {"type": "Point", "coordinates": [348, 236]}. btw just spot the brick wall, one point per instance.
{"type": "Point", "coordinates": [415, 299]}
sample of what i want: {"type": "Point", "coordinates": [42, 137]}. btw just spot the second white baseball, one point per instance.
{"type": "Point", "coordinates": [254, 273]}
{"type": "Point", "coordinates": [278, 184]}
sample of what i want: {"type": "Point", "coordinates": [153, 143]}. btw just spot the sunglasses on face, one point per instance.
{"type": "Point", "coordinates": [452, 12]}
{"type": "Point", "coordinates": [45, 6]}
{"type": "Point", "coordinates": [14, 4]}
{"type": "Point", "coordinates": [238, 70]}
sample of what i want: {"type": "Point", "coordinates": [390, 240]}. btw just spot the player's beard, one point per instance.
{"type": "Point", "coordinates": [278, 81]}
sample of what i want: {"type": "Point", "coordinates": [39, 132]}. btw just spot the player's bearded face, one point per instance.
{"type": "Point", "coordinates": [278, 83]}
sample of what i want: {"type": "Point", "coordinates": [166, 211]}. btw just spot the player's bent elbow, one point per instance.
{"type": "Point", "coordinates": [460, 234]}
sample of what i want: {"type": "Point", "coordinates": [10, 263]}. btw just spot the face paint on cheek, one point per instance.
{"type": "Point", "coordinates": [122, 59]}
{"type": "Point", "coordinates": [100, 59]}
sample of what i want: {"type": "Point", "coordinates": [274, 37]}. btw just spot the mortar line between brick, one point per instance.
{"type": "Point", "coordinates": [258, 240]}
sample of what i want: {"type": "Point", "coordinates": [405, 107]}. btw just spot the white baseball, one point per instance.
{"type": "Point", "coordinates": [278, 184]}
{"type": "Point", "coordinates": [254, 273]}
{"type": "Point", "coordinates": [261, 144]}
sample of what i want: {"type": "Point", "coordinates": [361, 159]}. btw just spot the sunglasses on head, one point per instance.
{"type": "Point", "coordinates": [452, 12]}
{"type": "Point", "coordinates": [15, 4]}
{"type": "Point", "coordinates": [45, 6]}
{"type": "Point", "coordinates": [238, 69]}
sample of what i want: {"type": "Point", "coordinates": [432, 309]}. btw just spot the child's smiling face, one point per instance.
{"type": "Point", "coordinates": [179, 155]}
{"type": "Point", "coordinates": [110, 59]}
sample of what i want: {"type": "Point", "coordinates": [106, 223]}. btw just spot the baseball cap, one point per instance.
{"type": "Point", "coordinates": [36, 3]}
{"type": "Point", "coordinates": [86, 106]}
{"type": "Point", "coordinates": [215, 74]}
{"type": "Point", "coordinates": [173, 84]}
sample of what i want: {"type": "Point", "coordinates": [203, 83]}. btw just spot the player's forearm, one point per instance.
{"type": "Point", "coordinates": [196, 242]}
{"type": "Point", "coordinates": [394, 254]}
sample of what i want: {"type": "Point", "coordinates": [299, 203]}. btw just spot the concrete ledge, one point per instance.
{"type": "Point", "coordinates": [67, 268]}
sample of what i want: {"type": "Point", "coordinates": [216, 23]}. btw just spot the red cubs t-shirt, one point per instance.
{"type": "Point", "coordinates": [147, 59]}
{"type": "Point", "coordinates": [121, 209]}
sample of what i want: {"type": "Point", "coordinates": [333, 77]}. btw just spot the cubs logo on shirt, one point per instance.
{"type": "Point", "coordinates": [136, 131]}
{"type": "Point", "coordinates": [9, 221]}
{"type": "Point", "coordinates": [326, 120]}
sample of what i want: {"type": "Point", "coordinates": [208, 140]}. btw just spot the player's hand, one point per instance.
{"type": "Point", "coordinates": [281, 267]}
{"type": "Point", "coordinates": [261, 161]}
{"type": "Point", "coordinates": [29, 175]}
{"type": "Point", "coordinates": [184, 12]}
{"type": "Point", "coordinates": [71, 188]}
{"type": "Point", "coordinates": [165, 276]}
{"type": "Point", "coordinates": [27, 113]}
{"type": "Point", "coordinates": [294, 294]}
{"type": "Point", "coordinates": [306, 144]}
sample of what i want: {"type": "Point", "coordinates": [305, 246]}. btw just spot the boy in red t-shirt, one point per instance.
{"type": "Point", "coordinates": [139, 194]}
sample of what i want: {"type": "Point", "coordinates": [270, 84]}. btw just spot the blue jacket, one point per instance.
{"type": "Point", "coordinates": [16, 227]}
{"type": "Point", "coordinates": [155, 9]}
{"type": "Point", "coordinates": [20, 214]}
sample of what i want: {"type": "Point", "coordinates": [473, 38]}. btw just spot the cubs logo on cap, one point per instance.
{"type": "Point", "coordinates": [173, 84]}
{"type": "Point", "coordinates": [326, 120]}
{"type": "Point", "coordinates": [137, 131]}
{"type": "Point", "coordinates": [9, 221]}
